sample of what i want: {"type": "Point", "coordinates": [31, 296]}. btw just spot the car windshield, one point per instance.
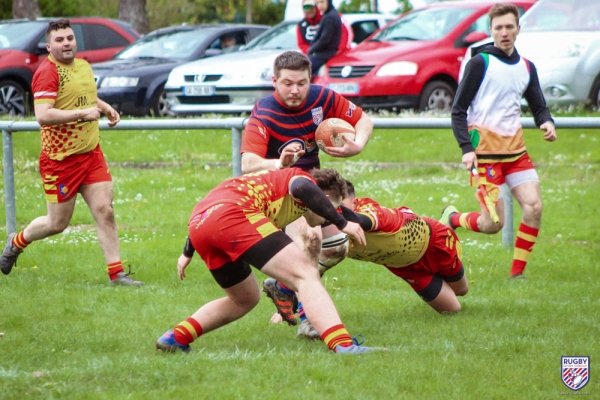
{"type": "Point", "coordinates": [281, 37]}
{"type": "Point", "coordinates": [14, 36]}
{"type": "Point", "coordinates": [562, 15]}
{"type": "Point", "coordinates": [427, 24]}
{"type": "Point", "coordinates": [173, 44]}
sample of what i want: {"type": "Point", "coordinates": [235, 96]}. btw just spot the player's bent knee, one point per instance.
{"type": "Point", "coordinates": [57, 227]}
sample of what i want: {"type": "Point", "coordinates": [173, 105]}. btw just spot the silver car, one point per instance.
{"type": "Point", "coordinates": [562, 39]}
{"type": "Point", "coordinates": [233, 83]}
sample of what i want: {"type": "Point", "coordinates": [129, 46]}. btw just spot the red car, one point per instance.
{"type": "Point", "coordinates": [23, 48]}
{"type": "Point", "coordinates": [412, 62]}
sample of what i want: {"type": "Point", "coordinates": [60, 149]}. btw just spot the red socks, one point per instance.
{"type": "Point", "coordinates": [465, 220]}
{"type": "Point", "coordinates": [187, 331]}
{"type": "Point", "coordinates": [19, 241]}
{"type": "Point", "coordinates": [335, 336]}
{"type": "Point", "coordinates": [114, 269]}
{"type": "Point", "coordinates": [526, 237]}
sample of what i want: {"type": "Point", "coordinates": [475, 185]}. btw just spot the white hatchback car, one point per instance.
{"type": "Point", "coordinates": [233, 83]}
{"type": "Point", "coordinates": [562, 39]}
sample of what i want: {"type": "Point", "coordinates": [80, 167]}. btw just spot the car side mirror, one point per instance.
{"type": "Point", "coordinates": [474, 37]}
{"type": "Point", "coordinates": [41, 48]}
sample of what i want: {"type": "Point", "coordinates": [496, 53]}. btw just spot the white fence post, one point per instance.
{"type": "Point", "coordinates": [508, 228]}
{"type": "Point", "coordinates": [9, 182]}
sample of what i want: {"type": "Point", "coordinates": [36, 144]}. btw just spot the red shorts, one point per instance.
{"type": "Point", "coordinates": [498, 173]}
{"type": "Point", "coordinates": [442, 258]}
{"type": "Point", "coordinates": [224, 232]}
{"type": "Point", "coordinates": [62, 179]}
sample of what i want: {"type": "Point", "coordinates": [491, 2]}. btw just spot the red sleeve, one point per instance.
{"type": "Point", "coordinates": [45, 83]}
{"type": "Point", "coordinates": [255, 138]}
{"type": "Point", "coordinates": [345, 110]}
{"type": "Point", "coordinates": [302, 45]}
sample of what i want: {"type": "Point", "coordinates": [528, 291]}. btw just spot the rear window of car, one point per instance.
{"type": "Point", "coordinates": [563, 15]}
{"type": "Point", "coordinates": [281, 37]}
{"type": "Point", "coordinates": [426, 24]}
{"type": "Point", "coordinates": [15, 36]}
{"type": "Point", "coordinates": [102, 37]}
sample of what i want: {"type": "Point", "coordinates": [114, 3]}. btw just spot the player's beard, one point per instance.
{"type": "Point", "coordinates": [67, 56]}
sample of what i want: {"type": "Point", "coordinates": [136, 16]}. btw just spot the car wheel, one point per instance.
{"type": "Point", "coordinates": [159, 105]}
{"type": "Point", "coordinates": [12, 98]}
{"type": "Point", "coordinates": [595, 95]}
{"type": "Point", "coordinates": [437, 95]}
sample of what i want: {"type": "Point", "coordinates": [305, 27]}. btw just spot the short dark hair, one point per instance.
{"type": "Point", "coordinates": [329, 180]}
{"type": "Point", "coordinates": [501, 9]}
{"type": "Point", "coordinates": [57, 25]}
{"type": "Point", "coordinates": [351, 191]}
{"type": "Point", "coordinates": [293, 60]}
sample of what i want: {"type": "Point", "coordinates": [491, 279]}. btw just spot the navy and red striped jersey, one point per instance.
{"type": "Point", "coordinates": [272, 125]}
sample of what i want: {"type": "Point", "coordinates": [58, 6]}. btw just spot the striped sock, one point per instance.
{"type": "Point", "coordinates": [114, 269]}
{"type": "Point", "coordinates": [19, 241]}
{"type": "Point", "coordinates": [526, 237]}
{"type": "Point", "coordinates": [284, 288]}
{"type": "Point", "coordinates": [301, 312]}
{"type": "Point", "coordinates": [465, 220]}
{"type": "Point", "coordinates": [187, 331]}
{"type": "Point", "coordinates": [335, 336]}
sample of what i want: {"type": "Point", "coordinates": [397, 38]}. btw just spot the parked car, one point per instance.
{"type": "Point", "coordinates": [23, 48]}
{"type": "Point", "coordinates": [414, 61]}
{"type": "Point", "coordinates": [233, 83]}
{"type": "Point", "coordinates": [133, 82]}
{"type": "Point", "coordinates": [562, 39]}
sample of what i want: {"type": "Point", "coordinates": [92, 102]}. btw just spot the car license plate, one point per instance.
{"type": "Point", "coordinates": [344, 88]}
{"type": "Point", "coordinates": [198, 90]}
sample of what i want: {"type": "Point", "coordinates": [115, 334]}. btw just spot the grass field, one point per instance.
{"type": "Point", "coordinates": [67, 334]}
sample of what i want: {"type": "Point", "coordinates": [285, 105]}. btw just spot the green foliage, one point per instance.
{"type": "Point", "coordinates": [5, 9]}
{"type": "Point", "coordinates": [163, 13]}
{"type": "Point", "coordinates": [64, 8]}
{"type": "Point", "coordinates": [67, 334]}
{"type": "Point", "coordinates": [358, 6]}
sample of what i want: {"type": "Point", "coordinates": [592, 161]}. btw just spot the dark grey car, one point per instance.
{"type": "Point", "coordinates": [133, 81]}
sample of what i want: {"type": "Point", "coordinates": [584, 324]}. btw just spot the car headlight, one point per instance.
{"type": "Point", "coordinates": [398, 68]}
{"type": "Point", "coordinates": [119, 82]}
{"type": "Point", "coordinates": [322, 70]}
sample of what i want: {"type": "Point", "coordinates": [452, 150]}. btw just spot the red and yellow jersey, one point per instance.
{"type": "Point", "coordinates": [66, 87]}
{"type": "Point", "coordinates": [264, 193]}
{"type": "Point", "coordinates": [398, 238]}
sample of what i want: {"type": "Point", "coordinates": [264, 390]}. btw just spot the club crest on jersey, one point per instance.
{"type": "Point", "coordinates": [351, 108]}
{"type": "Point", "coordinates": [317, 114]}
{"type": "Point", "coordinates": [575, 371]}
{"type": "Point", "coordinates": [490, 172]}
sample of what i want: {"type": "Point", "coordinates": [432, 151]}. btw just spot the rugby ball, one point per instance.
{"type": "Point", "coordinates": [329, 133]}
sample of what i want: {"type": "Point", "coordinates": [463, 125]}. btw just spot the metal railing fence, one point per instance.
{"type": "Point", "coordinates": [237, 125]}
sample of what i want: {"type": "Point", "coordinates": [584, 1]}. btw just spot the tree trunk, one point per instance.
{"type": "Point", "coordinates": [26, 9]}
{"type": "Point", "coordinates": [134, 12]}
{"type": "Point", "coordinates": [248, 11]}
{"type": "Point", "coordinates": [374, 6]}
